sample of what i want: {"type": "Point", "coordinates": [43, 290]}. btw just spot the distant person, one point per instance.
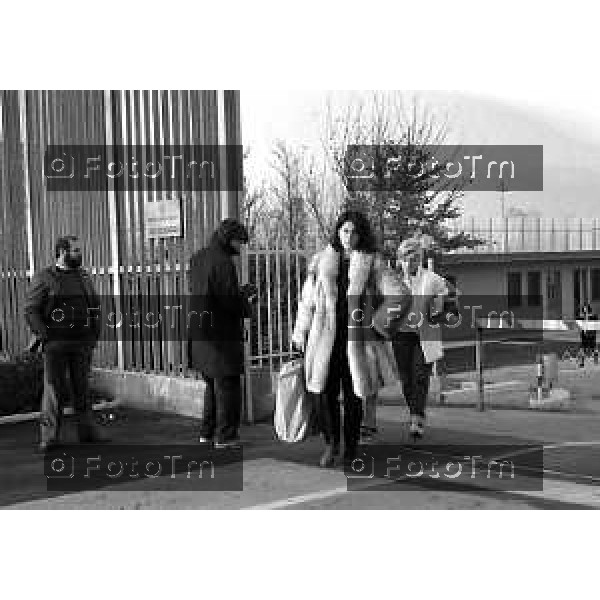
{"type": "Point", "coordinates": [217, 332]}
{"type": "Point", "coordinates": [62, 310]}
{"type": "Point", "coordinates": [588, 338]}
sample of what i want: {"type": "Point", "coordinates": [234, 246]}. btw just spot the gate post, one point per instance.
{"type": "Point", "coordinates": [28, 216]}
{"type": "Point", "coordinates": [479, 367]}
{"type": "Point", "coordinates": [114, 230]}
{"type": "Point", "coordinates": [248, 404]}
{"type": "Point", "coordinates": [229, 204]}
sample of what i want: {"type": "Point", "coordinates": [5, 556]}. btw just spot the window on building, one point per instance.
{"type": "Point", "coordinates": [553, 287]}
{"type": "Point", "coordinates": [514, 290]}
{"type": "Point", "coordinates": [534, 288]}
{"type": "Point", "coordinates": [595, 285]}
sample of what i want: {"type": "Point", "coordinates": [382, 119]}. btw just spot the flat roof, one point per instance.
{"type": "Point", "coordinates": [511, 257]}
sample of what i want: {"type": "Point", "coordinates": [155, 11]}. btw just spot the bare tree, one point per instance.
{"type": "Point", "coordinates": [285, 188]}
{"type": "Point", "coordinates": [407, 136]}
{"type": "Point", "coordinates": [323, 198]}
{"type": "Point", "coordinates": [254, 208]}
{"type": "Point", "coordinates": [301, 194]}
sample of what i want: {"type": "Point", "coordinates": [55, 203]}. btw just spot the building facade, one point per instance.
{"type": "Point", "coordinates": [532, 264]}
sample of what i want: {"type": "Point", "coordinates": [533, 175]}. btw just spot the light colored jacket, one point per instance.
{"type": "Point", "coordinates": [315, 328]}
{"type": "Point", "coordinates": [425, 286]}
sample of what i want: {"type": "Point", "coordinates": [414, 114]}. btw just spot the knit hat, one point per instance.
{"type": "Point", "coordinates": [232, 229]}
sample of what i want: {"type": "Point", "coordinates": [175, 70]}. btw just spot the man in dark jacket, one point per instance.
{"type": "Point", "coordinates": [63, 312]}
{"type": "Point", "coordinates": [218, 306]}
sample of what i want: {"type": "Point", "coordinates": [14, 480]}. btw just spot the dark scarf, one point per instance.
{"type": "Point", "coordinates": [343, 283]}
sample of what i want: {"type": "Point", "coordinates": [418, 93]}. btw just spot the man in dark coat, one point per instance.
{"type": "Point", "coordinates": [62, 310]}
{"type": "Point", "coordinates": [217, 308]}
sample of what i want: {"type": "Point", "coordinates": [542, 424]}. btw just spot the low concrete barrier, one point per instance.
{"type": "Point", "coordinates": [177, 395]}
{"type": "Point", "coordinates": [185, 396]}
{"type": "Point", "coordinates": [147, 391]}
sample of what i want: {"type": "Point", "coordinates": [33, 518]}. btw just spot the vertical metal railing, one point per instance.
{"type": "Point", "coordinates": [124, 265]}
{"type": "Point", "coordinates": [528, 234]}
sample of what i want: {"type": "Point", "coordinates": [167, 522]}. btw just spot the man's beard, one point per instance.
{"type": "Point", "coordinates": [73, 262]}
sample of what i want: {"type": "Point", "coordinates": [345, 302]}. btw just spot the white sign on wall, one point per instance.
{"type": "Point", "coordinates": [163, 218]}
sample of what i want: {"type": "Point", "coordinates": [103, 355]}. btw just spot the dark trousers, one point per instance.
{"type": "Point", "coordinates": [328, 405]}
{"type": "Point", "coordinates": [414, 371]}
{"type": "Point", "coordinates": [66, 371]}
{"type": "Point", "coordinates": [222, 408]}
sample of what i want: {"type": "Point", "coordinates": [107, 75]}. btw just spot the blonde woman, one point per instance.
{"type": "Point", "coordinates": [417, 339]}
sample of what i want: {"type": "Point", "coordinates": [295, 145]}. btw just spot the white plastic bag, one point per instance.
{"type": "Point", "coordinates": [292, 403]}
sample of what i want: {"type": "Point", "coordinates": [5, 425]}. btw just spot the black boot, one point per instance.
{"type": "Point", "coordinates": [336, 448]}
{"type": "Point", "coordinates": [350, 451]}
{"type": "Point", "coordinates": [327, 458]}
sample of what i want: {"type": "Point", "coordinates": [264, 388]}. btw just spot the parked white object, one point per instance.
{"type": "Point", "coordinates": [292, 404]}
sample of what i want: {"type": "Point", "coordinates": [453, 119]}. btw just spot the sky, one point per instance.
{"type": "Point", "coordinates": [268, 114]}
{"type": "Point", "coordinates": [580, 108]}
{"type": "Point", "coordinates": [583, 103]}
{"type": "Point", "coordinates": [565, 121]}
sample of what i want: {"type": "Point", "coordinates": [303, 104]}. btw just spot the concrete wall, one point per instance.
{"type": "Point", "coordinates": [183, 396]}
{"type": "Point", "coordinates": [479, 285]}
{"type": "Point", "coordinates": [489, 279]}
{"type": "Point", "coordinates": [148, 391]}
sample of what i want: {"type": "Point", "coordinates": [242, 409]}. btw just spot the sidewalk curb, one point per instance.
{"type": "Point", "coordinates": [33, 416]}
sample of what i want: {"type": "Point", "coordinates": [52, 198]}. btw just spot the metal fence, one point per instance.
{"type": "Point", "coordinates": [125, 263]}
{"type": "Point", "coordinates": [278, 273]}
{"type": "Point", "coordinates": [129, 267]}
{"type": "Point", "coordinates": [530, 234]}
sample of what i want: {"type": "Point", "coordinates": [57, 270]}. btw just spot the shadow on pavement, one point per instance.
{"type": "Point", "coordinates": [22, 475]}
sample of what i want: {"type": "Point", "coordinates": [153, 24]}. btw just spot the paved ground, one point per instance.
{"type": "Point", "coordinates": [505, 348]}
{"type": "Point", "coordinates": [282, 476]}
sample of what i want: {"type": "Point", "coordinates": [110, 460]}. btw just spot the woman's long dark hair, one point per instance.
{"type": "Point", "coordinates": [362, 227]}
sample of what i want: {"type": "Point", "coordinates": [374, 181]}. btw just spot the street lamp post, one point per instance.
{"type": "Point", "coordinates": [503, 188]}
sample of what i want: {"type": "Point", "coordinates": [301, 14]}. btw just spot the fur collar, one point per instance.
{"type": "Point", "coordinates": [360, 268]}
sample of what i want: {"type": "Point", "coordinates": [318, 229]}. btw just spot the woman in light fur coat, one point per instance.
{"type": "Point", "coordinates": [333, 329]}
